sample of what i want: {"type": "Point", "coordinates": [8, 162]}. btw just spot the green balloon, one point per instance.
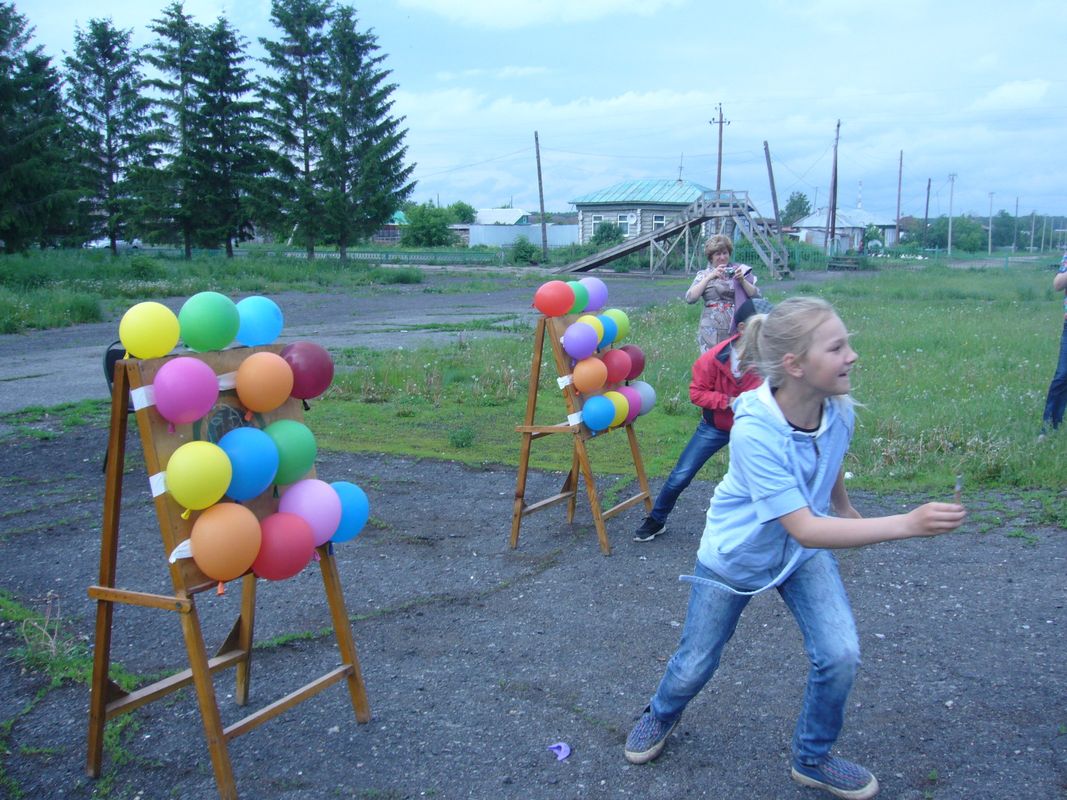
{"type": "Point", "coordinates": [209, 321]}
{"type": "Point", "coordinates": [621, 320]}
{"type": "Point", "coordinates": [296, 449]}
{"type": "Point", "coordinates": [581, 297]}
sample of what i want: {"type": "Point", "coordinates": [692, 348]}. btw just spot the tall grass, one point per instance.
{"type": "Point", "coordinates": [952, 375]}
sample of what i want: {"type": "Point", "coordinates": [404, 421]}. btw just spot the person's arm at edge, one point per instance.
{"type": "Point", "coordinates": [833, 532]}
{"type": "Point", "coordinates": [1059, 281]}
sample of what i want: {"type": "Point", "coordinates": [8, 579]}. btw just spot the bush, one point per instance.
{"type": "Point", "coordinates": [525, 252]}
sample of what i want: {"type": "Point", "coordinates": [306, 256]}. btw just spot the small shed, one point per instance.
{"type": "Point", "coordinates": [501, 216]}
{"type": "Point", "coordinates": [849, 227]}
{"type": "Point", "coordinates": [637, 207]}
{"type": "Point", "coordinates": [390, 232]}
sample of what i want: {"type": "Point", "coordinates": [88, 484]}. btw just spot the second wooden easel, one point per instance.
{"type": "Point", "coordinates": [553, 328]}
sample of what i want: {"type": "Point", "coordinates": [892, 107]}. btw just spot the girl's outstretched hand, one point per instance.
{"type": "Point", "coordinates": [931, 519]}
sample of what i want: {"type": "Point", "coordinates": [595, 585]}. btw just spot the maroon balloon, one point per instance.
{"type": "Point", "coordinates": [312, 369]}
{"type": "Point", "coordinates": [637, 360]}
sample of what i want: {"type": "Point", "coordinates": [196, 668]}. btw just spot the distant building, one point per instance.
{"type": "Point", "coordinates": [502, 216]}
{"type": "Point", "coordinates": [637, 207]}
{"type": "Point", "coordinates": [850, 225]}
{"type": "Point", "coordinates": [390, 232]}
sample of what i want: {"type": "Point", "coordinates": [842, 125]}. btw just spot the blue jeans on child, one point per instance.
{"type": "Point", "coordinates": [706, 441]}
{"type": "Point", "coordinates": [817, 598]}
{"type": "Point", "coordinates": [1057, 390]}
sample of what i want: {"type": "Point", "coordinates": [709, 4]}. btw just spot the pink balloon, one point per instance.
{"type": "Point", "coordinates": [185, 389]}
{"type": "Point", "coordinates": [317, 503]}
{"type": "Point", "coordinates": [633, 397]}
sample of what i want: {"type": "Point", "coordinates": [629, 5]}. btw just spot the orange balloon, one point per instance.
{"type": "Point", "coordinates": [589, 375]}
{"type": "Point", "coordinates": [264, 381]}
{"type": "Point", "coordinates": [225, 540]}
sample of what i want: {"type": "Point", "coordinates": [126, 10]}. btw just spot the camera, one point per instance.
{"type": "Point", "coordinates": [731, 271]}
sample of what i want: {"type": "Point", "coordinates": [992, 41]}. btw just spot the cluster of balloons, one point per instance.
{"type": "Point", "coordinates": [600, 365]}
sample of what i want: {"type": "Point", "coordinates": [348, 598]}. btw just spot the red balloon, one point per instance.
{"type": "Point", "coordinates": [618, 364]}
{"type": "Point", "coordinates": [637, 360]}
{"type": "Point", "coordinates": [554, 299]}
{"type": "Point", "coordinates": [312, 369]}
{"type": "Point", "coordinates": [286, 546]}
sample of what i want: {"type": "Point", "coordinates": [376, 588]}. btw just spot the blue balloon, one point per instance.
{"type": "Point", "coordinates": [355, 509]}
{"type": "Point", "coordinates": [261, 321]}
{"type": "Point", "coordinates": [598, 412]}
{"type": "Point", "coordinates": [254, 457]}
{"type": "Point", "coordinates": [611, 330]}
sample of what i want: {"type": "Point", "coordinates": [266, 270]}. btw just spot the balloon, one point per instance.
{"type": "Point", "coordinates": [149, 330]}
{"type": "Point", "coordinates": [264, 382]}
{"type": "Point", "coordinates": [633, 400]}
{"type": "Point", "coordinates": [579, 340]}
{"type": "Point", "coordinates": [286, 548]}
{"type": "Point", "coordinates": [637, 360]}
{"type": "Point", "coordinates": [318, 503]}
{"type": "Point", "coordinates": [618, 364]}
{"type": "Point", "coordinates": [611, 330]}
{"type": "Point", "coordinates": [648, 396]}
{"type": "Point", "coordinates": [312, 369]}
{"type": "Point", "coordinates": [296, 449]}
{"type": "Point", "coordinates": [254, 459]}
{"type": "Point", "coordinates": [185, 389]}
{"type": "Point", "coordinates": [197, 475]}
{"type": "Point", "coordinates": [209, 321]}
{"type": "Point", "coordinates": [589, 375]}
{"type": "Point", "coordinates": [225, 541]}
{"type": "Point", "coordinates": [554, 299]}
{"type": "Point", "coordinates": [594, 323]}
{"type": "Point", "coordinates": [620, 405]}
{"type": "Point", "coordinates": [597, 412]}
{"type": "Point", "coordinates": [622, 322]}
{"type": "Point", "coordinates": [355, 510]}
{"type": "Point", "coordinates": [581, 297]}
{"type": "Point", "coordinates": [598, 293]}
{"type": "Point", "coordinates": [260, 321]}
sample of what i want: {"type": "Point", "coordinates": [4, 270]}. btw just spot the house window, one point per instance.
{"type": "Point", "coordinates": [659, 221]}
{"type": "Point", "coordinates": [623, 224]}
{"type": "Point", "coordinates": [598, 220]}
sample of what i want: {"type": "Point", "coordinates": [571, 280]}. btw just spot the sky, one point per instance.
{"type": "Point", "coordinates": [629, 89]}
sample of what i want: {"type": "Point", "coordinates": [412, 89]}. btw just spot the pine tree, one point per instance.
{"type": "Point", "coordinates": [361, 172]}
{"type": "Point", "coordinates": [170, 206]}
{"type": "Point", "coordinates": [292, 106]}
{"type": "Point", "coordinates": [111, 118]}
{"type": "Point", "coordinates": [34, 191]}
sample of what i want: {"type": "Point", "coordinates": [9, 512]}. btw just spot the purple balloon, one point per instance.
{"type": "Point", "coordinates": [633, 397]}
{"type": "Point", "coordinates": [598, 293]}
{"type": "Point", "coordinates": [319, 505]}
{"type": "Point", "coordinates": [185, 390]}
{"type": "Point", "coordinates": [580, 340]}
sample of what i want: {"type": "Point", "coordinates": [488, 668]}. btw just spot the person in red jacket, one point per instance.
{"type": "Point", "coordinates": [717, 381]}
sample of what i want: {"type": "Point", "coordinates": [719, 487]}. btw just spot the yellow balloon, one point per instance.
{"type": "Point", "coordinates": [198, 475]}
{"type": "Point", "coordinates": [621, 320]}
{"type": "Point", "coordinates": [594, 323]}
{"type": "Point", "coordinates": [622, 407]}
{"type": "Point", "coordinates": [149, 330]}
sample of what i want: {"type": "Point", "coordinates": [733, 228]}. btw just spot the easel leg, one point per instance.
{"type": "Point", "coordinates": [244, 637]}
{"type": "Point", "coordinates": [642, 478]}
{"type": "Point", "coordinates": [571, 485]}
{"type": "Point", "coordinates": [594, 502]}
{"type": "Point", "coordinates": [342, 629]}
{"type": "Point", "coordinates": [520, 489]}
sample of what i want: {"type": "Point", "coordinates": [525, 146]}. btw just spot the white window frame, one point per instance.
{"type": "Point", "coordinates": [597, 221]}
{"type": "Point", "coordinates": [659, 221]}
{"type": "Point", "coordinates": [623, 223]}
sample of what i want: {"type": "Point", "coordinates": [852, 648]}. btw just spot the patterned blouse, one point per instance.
{"type": "Point", "coordinates": [718, 299]}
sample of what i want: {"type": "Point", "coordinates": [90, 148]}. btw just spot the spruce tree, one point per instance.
{"type": "Point", "coordinates": [361, 172]}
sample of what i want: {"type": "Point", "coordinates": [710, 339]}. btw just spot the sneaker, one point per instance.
{"type": "Point", "coordinates": [649, 530]}
{"type": "Point", "coordinates": [839, 777]}
{"type": "Point", "coordinates": [647, 739]}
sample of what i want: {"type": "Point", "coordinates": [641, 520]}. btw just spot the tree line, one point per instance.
{"type": "Point", "coordinates": [182, 141]}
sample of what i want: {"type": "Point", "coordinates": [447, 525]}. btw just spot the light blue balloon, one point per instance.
{"type": "Point", "coordinates": [355, 510]}
{"type": "Point", "coordinates": [598, 412]}
{"type": "Point", "coordinates": [254, 458]}
{"type": "Point", "coordinates": [261, 321]}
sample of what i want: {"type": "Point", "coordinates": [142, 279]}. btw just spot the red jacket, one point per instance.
{"type": "Point", "coordinates": [714, 386]}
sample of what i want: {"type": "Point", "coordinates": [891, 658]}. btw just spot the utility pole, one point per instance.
{"type": "Point", "coordinates": [900, 180]}
{"type": "Point", "coordinates": [990, 223]}
{"type": "Point", "coordinates": [774, 193]}
{"type": "Point", "coordinates": [1015, 229]}
{"type": "Point", "coordinates": [718, 170]}
{"type": "Point", "coordinates": [951, 190]}
{"type": "Point", "coordinates": [926, 213]}
{"type": "Point", "coordinates": [541, 195]}
{"type": "Point", "coordinates": [1030, 246]}
{"type": "Point", "coordinates": [831, 214]}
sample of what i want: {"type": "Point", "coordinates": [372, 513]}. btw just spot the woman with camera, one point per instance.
{"type": "Point", "coordinates": [722, 286]}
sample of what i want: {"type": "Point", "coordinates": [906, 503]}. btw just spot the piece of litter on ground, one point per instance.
{"type": "Point", "coordinates": [561, 749]}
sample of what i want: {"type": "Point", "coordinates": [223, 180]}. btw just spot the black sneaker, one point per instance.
{"type": "Point", "coordinates": [649, 530]}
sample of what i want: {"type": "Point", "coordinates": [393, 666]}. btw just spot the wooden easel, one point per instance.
{"type": "Point", "coordinates": [107, 699]}
{"type": "Point", "coordinates": [554, 328]}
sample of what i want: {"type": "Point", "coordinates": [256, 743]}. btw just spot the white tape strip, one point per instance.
{"type": "Point", "coordinates": [575, 418]}
{"type": "Point", "coordinates": [227, 381]}
{"type": "Point", "coordinates": [565, 381]}
{"type": "Point", "coordinates": [158, 483]}
{"type": "Point", "coordinates": [184, 550]}
{"type": "Point", "coordinates": [143, 397]}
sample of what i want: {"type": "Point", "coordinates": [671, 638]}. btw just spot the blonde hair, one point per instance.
{"type": "Point", "coordinates": [716, 244]}
{"type": "Point", "coordinates": [788, 328]}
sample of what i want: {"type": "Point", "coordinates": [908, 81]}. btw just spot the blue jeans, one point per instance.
{"type": "Point", "coordinates": [707, 440]}
{"type": "Point", "coordinates": [817, 598]}
{"type": "Point", "coordinates": [1057, 390]}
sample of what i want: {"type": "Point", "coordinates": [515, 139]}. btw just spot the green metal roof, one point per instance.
{"type": "Point", "coordinates": [645, 191]}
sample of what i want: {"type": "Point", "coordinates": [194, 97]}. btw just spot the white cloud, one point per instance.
{"type": "Point", "coordinates": [502, 73]}
{"type": "Point", "coordinates": [513, 14]}
{"type": "Point", "coordinates": [1013, 95]}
